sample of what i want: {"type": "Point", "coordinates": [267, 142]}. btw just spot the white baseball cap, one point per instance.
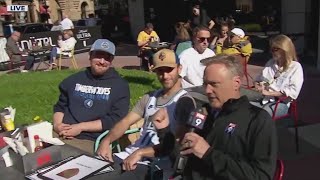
{"type": "Point", "coordinates": [239, 32]}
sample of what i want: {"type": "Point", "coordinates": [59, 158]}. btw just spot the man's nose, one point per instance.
{"type": "Point", "coordinates": [207, 89]}
{"type": "Point", "coordinates": [165, 75]}
{"type": "Point", "coordinates": [101, 60]}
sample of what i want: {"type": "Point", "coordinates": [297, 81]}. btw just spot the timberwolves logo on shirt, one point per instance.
{"type": "Point", "coordinates": [88, 103]}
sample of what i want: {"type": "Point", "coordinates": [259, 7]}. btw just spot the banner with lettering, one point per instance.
{"type": "Point", "coordinates": [85, 37]}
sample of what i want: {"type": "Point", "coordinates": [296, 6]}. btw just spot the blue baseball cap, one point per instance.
{"type": "Point", "coordinates": [103, 45]}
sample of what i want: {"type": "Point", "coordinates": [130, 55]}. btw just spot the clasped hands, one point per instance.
{"type": "Point", "coordinates": [68, 131]}
{"type": "Point", "coordinates": [262, 87]}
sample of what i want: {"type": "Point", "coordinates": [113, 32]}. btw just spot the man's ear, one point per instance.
{"type": "Point", "coordinates": [89, 54]}
{"type": "Point", "coordinates": [236, 82]}
{"type": "Point", "coordinates": [179, 68]}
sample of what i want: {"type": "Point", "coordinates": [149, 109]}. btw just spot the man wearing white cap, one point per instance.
{"type": "Point", "coordinates": [240, 45]}
{"type": "Point", "coordinates": [91, 101]}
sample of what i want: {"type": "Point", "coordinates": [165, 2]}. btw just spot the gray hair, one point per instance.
{"type": "Point", "coordinates": [232, 64]}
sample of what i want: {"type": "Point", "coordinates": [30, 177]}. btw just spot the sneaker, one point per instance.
{"type": "Point", "coordinates": [24, 71]}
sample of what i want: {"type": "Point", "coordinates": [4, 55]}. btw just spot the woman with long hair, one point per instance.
{"type": "Point", "coordinates": [281, 77]}
{"type": "Point", "coordinates": [182, 35]}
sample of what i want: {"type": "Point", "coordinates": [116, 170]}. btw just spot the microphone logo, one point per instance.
{"type": "Point", "coordinates": [197, 119]}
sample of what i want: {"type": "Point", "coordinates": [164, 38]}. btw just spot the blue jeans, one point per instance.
{"type": "Point", "coordinates": [282, 108]}
{"type": "Point", "coordinates": [53, 54]}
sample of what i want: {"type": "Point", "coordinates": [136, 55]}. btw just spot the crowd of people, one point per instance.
{"type": "Point", "coordinates": [238, 139]}
{"type": "Point", "coordinates": [12, 51]}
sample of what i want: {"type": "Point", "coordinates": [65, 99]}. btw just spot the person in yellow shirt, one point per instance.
{"type": "Point", "coordinates": [240, 45]}
{"type": "Point", "coordinates": [145, 37]}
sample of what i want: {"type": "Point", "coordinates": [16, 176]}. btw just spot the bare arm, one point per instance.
{"type": "Point", "coordinates": [130, 163]}
{"type": "Point", "coordinates": [57, 118]}
{"type": "Point", "coordinates": [272, 93]}
{"type": "Point", "coordinates": [120, 128]}
{"type": "Point", "coordinates": [116, 132]}
{"type": "Point", "coordinates": [91, 126]}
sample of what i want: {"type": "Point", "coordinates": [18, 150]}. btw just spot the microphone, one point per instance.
{"type": "Point", "coordinates": [196, 121]}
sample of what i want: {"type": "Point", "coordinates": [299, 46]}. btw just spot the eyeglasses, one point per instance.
{"type": "Point", "coordinates": [274, 49]}
{"type": "Point", "coordinates": [202, 39]}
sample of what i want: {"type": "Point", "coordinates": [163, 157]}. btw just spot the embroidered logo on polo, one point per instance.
{"type": "Point", "coordinates": [230, 128]}
{"type": "Point", "coordinates": [92, 92]}
{"type": "Point", "coordinates": [105, 45]}
{"type": "Point", "coordinates": [88, 103]}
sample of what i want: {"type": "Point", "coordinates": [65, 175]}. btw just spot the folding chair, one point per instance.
{"type": "Point", "coordinates": [68, 54]}
{"type": "Point", "coordinates": [144, 61]}
{"type": "Point", "coordinates": [12, 65]}
{"type": "Point", "coordinates": [279, 170]}
{"type": "Point", "coordinates": [244, 61]}
{"type": "Point", "coordinates": [115, 143]}
{"type": "Point", "coordinates": [291, 114]}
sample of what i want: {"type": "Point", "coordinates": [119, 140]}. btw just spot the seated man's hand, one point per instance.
{"type": "Point", "coordinates": [192, 143]}
{"type": "Point", "coordinates": [161, 119]}
{"type": "Point", "coordinates": [105, 151]}
{"type": "Point", "coordinates": [74, 130]}
{"type": "Point", "coordinates": [130, 163]}
{"type": "Point", "coordinates": [58, 128]}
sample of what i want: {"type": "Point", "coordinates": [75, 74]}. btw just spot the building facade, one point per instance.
{"type": "Point", "coordinates": [75, 9]}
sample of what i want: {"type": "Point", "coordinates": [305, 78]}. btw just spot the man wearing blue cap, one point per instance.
{"type": "Point", "coordinates": [91, 101]}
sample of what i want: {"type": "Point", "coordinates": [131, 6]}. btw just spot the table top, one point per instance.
{"type": "Point", "coordinates": [66, 151]}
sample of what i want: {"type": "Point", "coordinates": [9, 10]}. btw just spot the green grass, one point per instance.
{"type": "Point", "coordinates": [35, 93]}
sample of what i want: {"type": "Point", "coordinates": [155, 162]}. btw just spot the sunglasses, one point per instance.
{"type": "Point", "coordinates": [202, 39]}
{"type": "Point", "coordinates": [274, 49]}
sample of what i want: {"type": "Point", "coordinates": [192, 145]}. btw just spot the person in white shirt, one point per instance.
{"type": "Point", "coordinates": [66, 23]}
{"type": "Point", "coordinates": [63, 45]}
{"type": "Point", "coordinates": [281, 77]}
{"type": "Point", "coordinates": [3, 54]}
{"type": "Point", "coordinates": [192, 69]}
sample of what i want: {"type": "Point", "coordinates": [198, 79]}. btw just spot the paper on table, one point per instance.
{"type": "Point", "coordinates": [34, 176]}
{"type": "Point", "coordinates": [123, 155]}
{"type": "Point", "coordinates": [76, 168]}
